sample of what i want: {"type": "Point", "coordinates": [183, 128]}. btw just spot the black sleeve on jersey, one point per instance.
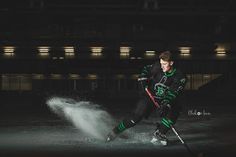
{"type": "Point", "coordinates": [175, 88]}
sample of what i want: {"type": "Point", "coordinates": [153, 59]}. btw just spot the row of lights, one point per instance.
{"type": "Point", "coordinates": [94, 76]}
{"type": "Point", "coordinates": [97, 52]}
{"type": "Point", "coordinates": [70, 51]}
{"type": "Point", "coordinates": [73, 76]}
{"type": "Point", "coordinates": [220, 50]}
{"type": "Point", "coordinates": [43, 51]}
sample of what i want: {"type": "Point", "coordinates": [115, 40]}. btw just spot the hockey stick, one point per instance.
{"type": "Point", "coordinates": [172, 127]}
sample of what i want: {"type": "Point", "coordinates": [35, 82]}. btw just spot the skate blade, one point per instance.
{"type": "Point", "coordinates": [155, 141]}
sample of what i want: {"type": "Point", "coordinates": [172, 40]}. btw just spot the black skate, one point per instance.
{"type": "Point", "coordinates": [111, 136]}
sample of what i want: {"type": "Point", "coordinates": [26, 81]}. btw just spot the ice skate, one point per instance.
{"type": "Point", "coordinates": [159, 139]}
{"type": "Point", "coordinates": [111, 136]}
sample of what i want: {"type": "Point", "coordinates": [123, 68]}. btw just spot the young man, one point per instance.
{"type": "Point", "coordinates": [165, 83]}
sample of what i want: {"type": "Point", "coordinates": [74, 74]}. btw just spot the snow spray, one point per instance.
{"type": "Point", "coordinates": [86, 116]}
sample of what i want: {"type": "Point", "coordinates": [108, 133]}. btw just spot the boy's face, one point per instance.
{"type": "Point", "coordinates": [166, 65]}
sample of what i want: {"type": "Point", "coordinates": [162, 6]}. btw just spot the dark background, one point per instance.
{"type": "Point", "coordinates": [140, 24]}
{"type": "Point", "coordinates": [27, 80]}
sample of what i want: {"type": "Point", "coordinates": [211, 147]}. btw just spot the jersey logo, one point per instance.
{"type": "Point", "coordinates": [160, 88]}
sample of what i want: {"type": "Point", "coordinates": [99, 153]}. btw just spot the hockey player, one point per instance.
{"type": "Point", "coordinates": [165, 83]}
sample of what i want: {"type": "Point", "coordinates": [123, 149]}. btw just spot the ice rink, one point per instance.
{"type": "Point", "coordinates": [208, 131]}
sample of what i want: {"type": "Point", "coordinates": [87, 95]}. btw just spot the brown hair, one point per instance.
{"type": "Point", "coordinates": [166, 56]}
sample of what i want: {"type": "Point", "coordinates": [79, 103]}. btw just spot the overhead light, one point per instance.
{"type": "Point", "coordinates": [9, 51]}
{"type": "Point", "coordinates": [55, 57]}
{"type": "Point", "coordinates": [74, 76]}
{"type": "Point", "coordinates": [221, 49]}
{"type": "Point", "coordinates": [56, 76]}
{"type": "Point", "coordinates": [125, 51]}
{"type": "Point", "coordinates": [69, 54]}
{"type": "Point", "coordinates": [96, 51]}
{"type": "Point", "coordinates": [43, 54]}
{"type": "Point", "coordinates": [96, 54]}
{"type": "Point", "coordinates": [38, 76]}
{"type": "Point", "coordinates": [69, 51]}
{"type": "Point", "coordinates": [206, 76]}
{"type": "Point", "coordinates": [43, 51]}
{"type": "Point", "coordinates": [221, 54]}
{"type": "Point", "coordinates": [92, 76]}
{"type": "Point", "coordinates": [150, 53]}
{"type": "Point", "coordinates": [9, 54]}
{"type": "Point", "coordinates": [124, 54]}
{"type": "Point", "coordinates": [184, 51]}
